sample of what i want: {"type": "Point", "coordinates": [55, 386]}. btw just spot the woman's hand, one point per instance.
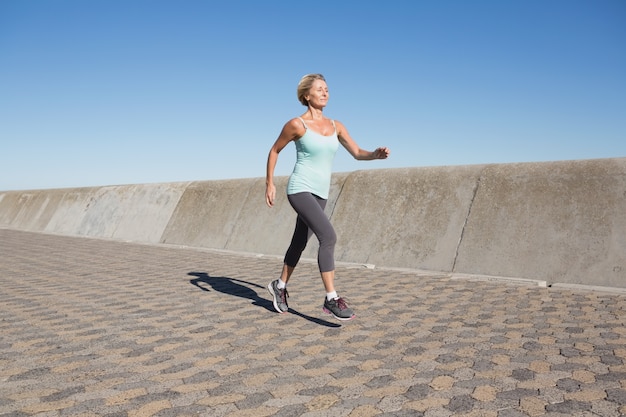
{"type": "Point", "coordinates": [381, 153]}
{"type": "Point", "coordinates": [270, 194]}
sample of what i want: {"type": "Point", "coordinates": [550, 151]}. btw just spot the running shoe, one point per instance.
{"type": "Point", "coordinates": [279, 296]}
{"type": "Point", "coordinates": [338, 308]}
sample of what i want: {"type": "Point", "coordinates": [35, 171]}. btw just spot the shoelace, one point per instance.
{"type": "Point", "coordinates": [341, 303]}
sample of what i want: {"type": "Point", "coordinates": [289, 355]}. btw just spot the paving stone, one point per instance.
{"type": "Point", "coordinates": [612, 376]}
{"type": "Point", "coordinates": [617, 396]}
{"type": "Point", "coordinates": [399, 413]}
{"type": "Point", "coordinates": [516, 394]}
{"type": "Point", "coordinates": [100, 327]}
{"type": "Point", "coordinates": [523, 374]}
{"type": "Point", "coordinates": [569, 407]}
{"type": "Point", "coordinates": [568, 385]}
{"type": "Point", "coordinates": [295, 410]}
{"type": "Point", "coordinates": [460, 404]}
{"type": "Point", "coordinates": [509, 412]}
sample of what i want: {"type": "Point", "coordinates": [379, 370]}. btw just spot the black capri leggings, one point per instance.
{"type": "Point", "coordinates": [311, 219]}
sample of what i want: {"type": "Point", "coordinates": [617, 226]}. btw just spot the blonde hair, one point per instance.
{"type": "Point", "coordinates": [305, 85]}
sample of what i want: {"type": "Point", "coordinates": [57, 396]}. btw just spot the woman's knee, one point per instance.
{"type": "Point", "coordinates": [328, 238]}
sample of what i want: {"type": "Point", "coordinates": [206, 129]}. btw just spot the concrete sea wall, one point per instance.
{"type": "Point", "coordinates": [561, 222]}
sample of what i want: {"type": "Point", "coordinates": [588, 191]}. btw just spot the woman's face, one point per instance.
{"type": "Point", "coordinates": [318, 94]}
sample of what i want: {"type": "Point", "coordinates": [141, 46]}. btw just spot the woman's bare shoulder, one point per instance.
{"type": "Point", "coordinates": [295, 127]}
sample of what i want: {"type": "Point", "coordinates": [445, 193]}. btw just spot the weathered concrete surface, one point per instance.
{"type": "Point", "coordinates": [559, 222]}
{"type": "Point", "coordinates": [207, 213]}
{"type": "Point", "coordinates": [562, 222]}
{"type": "Point", "coordinates": [131, 212]}
{"type": "Point", "coordinates": [128, 212]}
{"type": "Point", "coordinates": [404, 217]}
{"type": "Point", "coordinates": [33, 210]}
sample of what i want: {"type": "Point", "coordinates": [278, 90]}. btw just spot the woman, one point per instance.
{"type": "Point", "coordinates": [316, 139]}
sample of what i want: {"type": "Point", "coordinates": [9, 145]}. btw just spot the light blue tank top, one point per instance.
{"type": "Point", "coordinates": [314, 160]}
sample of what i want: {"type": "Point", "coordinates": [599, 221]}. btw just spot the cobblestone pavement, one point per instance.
{"type": "Point", "coordinates": [96, 327]}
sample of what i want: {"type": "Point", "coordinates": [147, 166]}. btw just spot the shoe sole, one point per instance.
{"type": "Point", "coordinates": [269, 289]}
{"type": "Point", "coordinates": [327, 311]}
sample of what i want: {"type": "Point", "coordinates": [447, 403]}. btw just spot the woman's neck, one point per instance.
{"type": "Point", "coordinates": [315, 114]}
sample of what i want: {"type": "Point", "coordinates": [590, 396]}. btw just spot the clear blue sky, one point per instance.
{"type": "Point", "coordinates": [105, 92]}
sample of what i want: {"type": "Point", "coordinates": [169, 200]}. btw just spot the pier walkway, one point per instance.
{"type": "Point", "coordinates": [93, 327]}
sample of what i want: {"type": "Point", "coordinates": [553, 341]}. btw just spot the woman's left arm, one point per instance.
{"type": "Point", "coordinates": [353, 148]}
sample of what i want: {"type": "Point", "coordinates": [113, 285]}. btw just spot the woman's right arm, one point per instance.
{"type": "Point", "coordinates": [292, 130]}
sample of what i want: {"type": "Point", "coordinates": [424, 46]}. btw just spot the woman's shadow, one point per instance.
{"type": "Point", "coordinates": [236, 288]}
